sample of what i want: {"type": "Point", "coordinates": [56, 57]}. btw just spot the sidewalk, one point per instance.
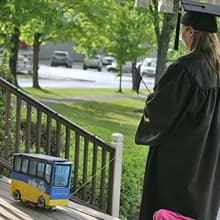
{"type": "Point", "coordinates": [91, 98]}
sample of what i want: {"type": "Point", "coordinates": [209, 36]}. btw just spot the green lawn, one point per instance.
{"type": "Point", "coordinates": [103, 118]}
{"type": "Point", "coordinates": [65, 93]}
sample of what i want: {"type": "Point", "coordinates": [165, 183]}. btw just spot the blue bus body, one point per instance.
{"type": "Point", "coordinates": [41, 179]}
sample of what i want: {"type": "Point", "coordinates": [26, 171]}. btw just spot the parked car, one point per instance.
{"type": "Point", "coordinates": [148, 67]}
{"type": "Point", "coordinates": [93, 62]}
{"type": "Point", "coordinates": [113, 67]}
{"type": "Point", "coordinates": [108, 59]}
{"type": "Point", "coordinates": [126, 68]}
{"type": "Point", "coordinates": [61, 58]}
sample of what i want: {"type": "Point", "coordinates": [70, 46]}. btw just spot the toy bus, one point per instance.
{"type": "Point", "coordinates": [40, 179]}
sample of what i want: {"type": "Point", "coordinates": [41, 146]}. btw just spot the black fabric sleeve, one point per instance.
{"type": "Point", "coordinates": [165, 108]}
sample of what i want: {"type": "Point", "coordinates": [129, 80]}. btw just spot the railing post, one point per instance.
{"type": "Point", "coordinates": [117, 143]}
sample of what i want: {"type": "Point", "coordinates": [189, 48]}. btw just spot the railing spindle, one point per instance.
{"type": "Point", "coordinates": [28, 129]}
{"type": "Point", "coordinates": [67, 144]}
{"type": "Point", "coordinates": [76, 162]}
{"type": "Point", "coordinates": [110, 183]}
{"type": "Point", "coordinates": [103, 176]}
{"type": "Point", "coordinates": [94, 171]}
{"type": "Point", "coordinates": [48, 142]}
{"type": "Point", "coordinates": [38, 141]}
{"type": "Point", "coordinates": [85, 167]}
{"type": "Point", "coordinates": [7, 123]}
{"type": "Point", "coordinates": [58, 139]}
{"type": "Point", "coordinates": [18, 125]}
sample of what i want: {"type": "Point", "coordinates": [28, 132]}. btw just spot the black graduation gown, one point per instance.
{"type": "Point", "coordinates": [181, 123]}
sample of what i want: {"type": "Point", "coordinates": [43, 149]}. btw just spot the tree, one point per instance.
{"type": "Point", "coordinates": [130, 35]}
{"type": "Point", "coordinates": [111, 27]}
{"type": "Point", "coordinates": [87, 22]}
{"type": "Point", "coordinates": [14, 14]}
{"type": "Point", "coordinates": [35, 22]}
{"type": "Point", "coordinates": [164, 25]}
{"type": "Point", "coordinates": [45, 24]}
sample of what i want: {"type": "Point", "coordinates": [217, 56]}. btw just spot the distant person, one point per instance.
{"type": "Point", "coordinates": [138, 78]}
{"type": "Point", "coordinates": [181, 124]}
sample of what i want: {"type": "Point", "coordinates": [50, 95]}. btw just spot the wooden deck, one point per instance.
{"type": "Point", "coordinates": [15, 210]}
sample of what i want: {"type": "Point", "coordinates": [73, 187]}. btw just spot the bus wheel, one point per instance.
{"type": "Point", "coordinates": [16, 195]}
{"type": "Point", "coordinates": [52, 208]}
{"type": "Point", "coordinates": [41, 202]}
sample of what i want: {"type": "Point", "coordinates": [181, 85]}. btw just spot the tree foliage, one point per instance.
{"type": "Point", "coordinates": [87, 22]}
{"type": "Point", "coordinates": [109, 26]}
{"type": "Point", "coordinates": [14, 15]}
{"type": "Point", "coordinates": [130, 35]}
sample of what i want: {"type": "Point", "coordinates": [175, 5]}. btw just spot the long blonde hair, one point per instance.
{"type": "Point", "coordinates": [208, 44]}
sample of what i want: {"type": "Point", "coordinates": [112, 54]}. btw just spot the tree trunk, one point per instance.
{"type": "Point", "coordinates": [120, 78]}
{"type": "Point", "coordinates": [14, 53]}
{"type": "Point", "coordinates": [36, 49]}
{"type": "Point", "coordinates": [169, 24]}
{"type": "Point", "coordinates": [133, 72]}
{"type": "Point", "coordinates": [163, 44]}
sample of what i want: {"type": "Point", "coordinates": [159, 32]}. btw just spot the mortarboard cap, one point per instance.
{"type": "Point", "coordinates": [201, 16]}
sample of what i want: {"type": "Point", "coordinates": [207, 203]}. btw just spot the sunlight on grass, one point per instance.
{"type": "Point", "coordinates": [65, 93]}
{"type": "Point", "coordinates": [101, 118]}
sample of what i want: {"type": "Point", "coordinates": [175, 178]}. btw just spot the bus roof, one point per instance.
{"type": "Point", "coordinates": [42, 157]}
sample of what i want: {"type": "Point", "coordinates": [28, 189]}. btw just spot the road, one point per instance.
{"type": "Point", "coordinates": [61, 77]}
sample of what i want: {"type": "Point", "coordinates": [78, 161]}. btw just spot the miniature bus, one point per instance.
{"type": "Point", "coordinates": [40, 179]}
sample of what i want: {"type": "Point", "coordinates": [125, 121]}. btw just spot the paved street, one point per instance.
{"type": "Point", "coordinates": [61, 77]}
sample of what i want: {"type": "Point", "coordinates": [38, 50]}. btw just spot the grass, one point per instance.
{"type": "Point", "coordinates": [103, 118]}
{"type": "Point", "coordinates": [66, 93]}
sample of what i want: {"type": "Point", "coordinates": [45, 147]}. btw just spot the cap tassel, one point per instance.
{"type": "Point", "coordinates": [176, 43]}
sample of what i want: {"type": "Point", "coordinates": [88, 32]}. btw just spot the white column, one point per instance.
{"type": "Point", "coordinates": [166, 6]}
{"type": "Point", "coordinates": [142, 3]}
{"type": "Point", "coordinates": [117, 143]}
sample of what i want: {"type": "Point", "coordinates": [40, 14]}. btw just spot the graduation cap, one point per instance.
{"type": "Point", "coordinates": [201, 16]}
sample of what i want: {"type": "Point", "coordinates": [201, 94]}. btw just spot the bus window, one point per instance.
{"type": "Point", "coordinates": [61, 175]}
{"type": "Point", "coordinates": [24, 166]}
{"type": "Point", "coordinates": [17, 163]}
{"type": "Point", "coordinates": [32, 167]}
{"type": "Point", "coordinates": [40, 169]}
{"type": "Point", "coordinates": [48, 172]}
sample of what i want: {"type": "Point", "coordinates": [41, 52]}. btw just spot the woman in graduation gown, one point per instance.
{"type": "Point", "coordinates": [181, 124]}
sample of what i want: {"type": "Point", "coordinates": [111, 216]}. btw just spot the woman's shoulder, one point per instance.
{"type": "Point", "coordinates": [184, 64]}
{"type": "Point", "coordinates": [190, 60]}
{"type": "Point", "coordinates": [195, 67]}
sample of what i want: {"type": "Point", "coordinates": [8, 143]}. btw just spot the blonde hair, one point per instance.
{"type": "Point", "coordinates": [208, 44]}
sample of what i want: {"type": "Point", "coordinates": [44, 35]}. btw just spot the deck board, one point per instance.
{"type": "Point", "coordinates": [15, 210]}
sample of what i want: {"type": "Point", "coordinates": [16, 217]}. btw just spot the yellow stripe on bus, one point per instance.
{"type": "Point", "coordinates": [30, 193]}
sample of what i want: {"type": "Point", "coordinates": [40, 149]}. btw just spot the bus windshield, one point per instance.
{"type": "Point", "coordinates": [61, 177]}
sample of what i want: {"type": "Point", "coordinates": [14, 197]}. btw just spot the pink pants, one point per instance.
{"type": "Point", "coordinates": [164, 214]}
